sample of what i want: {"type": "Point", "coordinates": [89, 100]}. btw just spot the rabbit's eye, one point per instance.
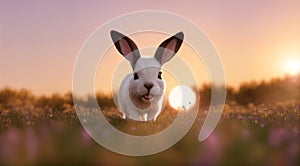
{"type": "Point", "coordinates": [135, 76]}
{"type": "Point", "coordinates": [159, 75]}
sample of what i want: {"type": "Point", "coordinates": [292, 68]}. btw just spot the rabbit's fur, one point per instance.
{"type": "Point", "coordinates": [141, 93]}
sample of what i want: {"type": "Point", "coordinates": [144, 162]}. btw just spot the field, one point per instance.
{"type": "Point", "coordinates": [252, 134]}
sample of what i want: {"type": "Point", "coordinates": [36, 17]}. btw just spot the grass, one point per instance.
{"type": "Point", "coordinates": [264, 134]}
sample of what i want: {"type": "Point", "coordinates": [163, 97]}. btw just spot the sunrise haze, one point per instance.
{"type": "Point", "coordinates": [40, 41]}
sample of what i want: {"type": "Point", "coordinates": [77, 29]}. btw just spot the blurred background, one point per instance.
{"type": "Point", "coordinates": [258, 43]}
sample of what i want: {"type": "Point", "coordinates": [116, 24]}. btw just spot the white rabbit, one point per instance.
{"type": "Point", "coordinates": [141, 93]}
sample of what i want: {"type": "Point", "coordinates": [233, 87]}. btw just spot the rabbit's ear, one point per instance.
{"type": "Point", "coordinates": [169, 48]}
{"type": "Point", "coordinates": [126, 47]}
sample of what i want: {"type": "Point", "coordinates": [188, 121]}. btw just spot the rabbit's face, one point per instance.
{"type": "Point", "coordinates": [146, 87]}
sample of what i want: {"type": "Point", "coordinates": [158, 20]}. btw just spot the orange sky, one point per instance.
{"type": "Point", "coordinates": [39, 41]}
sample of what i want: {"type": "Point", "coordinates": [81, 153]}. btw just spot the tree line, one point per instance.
{"type": "Point", "coordinates": [274, 90]}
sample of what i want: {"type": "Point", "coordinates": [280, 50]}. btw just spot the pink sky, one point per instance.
{"type": "Point", "coordinates": [39, 41]}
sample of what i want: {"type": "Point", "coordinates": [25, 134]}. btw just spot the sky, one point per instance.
{"type": "Point", "coordinates": [40, 40]}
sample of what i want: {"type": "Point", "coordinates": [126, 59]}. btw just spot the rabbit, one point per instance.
{"type": "Point", "coordinates": [141, 94]}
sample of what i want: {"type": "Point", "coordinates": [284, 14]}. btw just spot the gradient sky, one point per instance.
{"type": "Point", "coordinates": [40, 40]}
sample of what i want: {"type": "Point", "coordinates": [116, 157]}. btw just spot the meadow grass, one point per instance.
{"type": "Point", "coordinates": [262, 134]}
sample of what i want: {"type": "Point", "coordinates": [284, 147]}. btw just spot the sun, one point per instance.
{"type": "Point", "coordinates": [182, 97]}
{"type": "Point", "coordinates": [292, 66]}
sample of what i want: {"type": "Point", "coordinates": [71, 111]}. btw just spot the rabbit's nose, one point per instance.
{"type": "Point", "coordinates": [148, 85]}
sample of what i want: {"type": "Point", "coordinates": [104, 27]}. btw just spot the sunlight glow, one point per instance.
{"type": "Point", "coordinates": [292, 66]}
{"type": "Point", "coordinates": [182, 97]}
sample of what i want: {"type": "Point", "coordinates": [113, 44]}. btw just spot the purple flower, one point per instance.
{"type": "Point", "coordinates": [245, 133]}
{"type": "Point", "coordinates": [212, 151]}
{"type": "Point", "coordinates": [250, 117]}
{"type": "Point", "coordinates": [85, 137]}
{"type": "Point", "coordinates": [240, 117]}
{"type": "Point", "coordinates": [277, 136]}
{"type": "Point", "coordinates": [133, 128]}
{"type": "Point", "coordinates": [31, 144]}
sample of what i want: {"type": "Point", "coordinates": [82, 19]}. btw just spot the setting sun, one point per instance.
{"type": "Point", "coordinates": [182, 97]}
{"type": "Point", "coordinates": [292, 66]}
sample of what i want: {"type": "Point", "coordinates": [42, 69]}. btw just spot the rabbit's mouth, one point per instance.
{"type": "Point", "coordinates": [147, 97]}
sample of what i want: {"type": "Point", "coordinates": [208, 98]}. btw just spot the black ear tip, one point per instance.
{"type": "Point", "coordinates": [115, 35]}
{"type": "Point", "coordinates": [180, 35]}
{"type": "Point", "coordinates": [113, 32]}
